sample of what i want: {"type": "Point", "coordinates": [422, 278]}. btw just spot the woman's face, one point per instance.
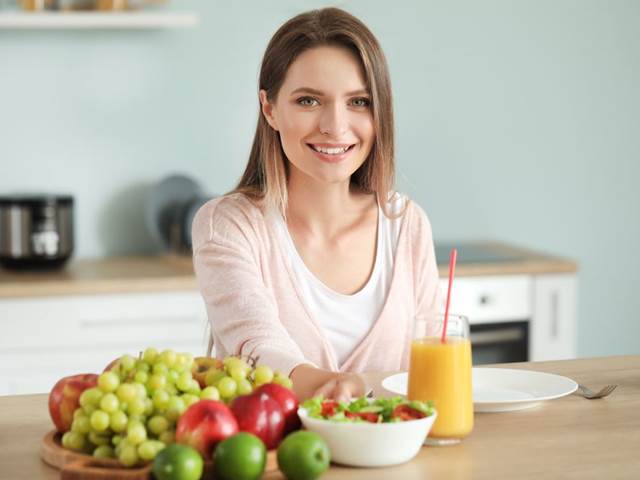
{"type": "Point", "coordinates": [323, 115]}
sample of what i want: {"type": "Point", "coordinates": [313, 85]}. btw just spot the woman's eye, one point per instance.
{"type": "Point", "coordinates": [307, 101]}
{"type": "Point", "coordinates": [361, 102]}
{"type": "Point", "coordinates": [312, 102]}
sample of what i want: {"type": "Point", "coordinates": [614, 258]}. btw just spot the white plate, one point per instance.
{"type": "Point", "coordinates": [503, 389]}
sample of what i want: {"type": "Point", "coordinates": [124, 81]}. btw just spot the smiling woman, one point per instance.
{"type": "Point", "coordinates": [313, 264]}
{"type": "Point", "coordinates": [333, 124]}
{"type": "Point", "coordinates": [297, 71]}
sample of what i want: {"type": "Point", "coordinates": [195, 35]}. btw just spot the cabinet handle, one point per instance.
{"type": "Point", "coordinates": [136, 321]}
{"type": "Point", "coordinates": [554, 315]}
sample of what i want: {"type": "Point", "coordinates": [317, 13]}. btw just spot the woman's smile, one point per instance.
{"type": "Point", "coordinates": [331, 152]}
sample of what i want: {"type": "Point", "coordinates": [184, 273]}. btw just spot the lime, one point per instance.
{"type": "Point", "coordinates": [242, 456]}
{"type": "Point", "coordinates": [303, 455]}
{"type": "Point", "coordinates": [178, 462]}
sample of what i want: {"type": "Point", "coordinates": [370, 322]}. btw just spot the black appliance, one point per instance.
{"type": "Point", "coordinates": [502, 342]}
{"type": "Point", "coordinates": [36, 230]}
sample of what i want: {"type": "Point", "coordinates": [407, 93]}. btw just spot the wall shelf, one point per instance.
{"type": "Point", "coordinates": [97, 20]}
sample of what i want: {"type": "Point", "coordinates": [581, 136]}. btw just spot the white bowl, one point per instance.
{"type": "Point", "coordinates": [366, 444]}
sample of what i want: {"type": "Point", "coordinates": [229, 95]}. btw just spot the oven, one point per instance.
{"type": "Point", "coordinates": [500, 342]}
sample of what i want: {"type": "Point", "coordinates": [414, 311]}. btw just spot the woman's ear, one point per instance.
{"type": "Point", "coordinates": [267, 110]}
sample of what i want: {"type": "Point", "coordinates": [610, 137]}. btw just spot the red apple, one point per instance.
{"type": "Point", "coordinates": [65, 397]}
{"type": "Point", "coordinates": [261, 415]}
{"type": "Point", "coordinates": [288, 402]}
{"type": "Point", "coordinates": [204, 424]}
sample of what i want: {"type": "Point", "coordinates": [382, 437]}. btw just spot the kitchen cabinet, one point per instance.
{"type": "Point", "coordinates": [46, 338]}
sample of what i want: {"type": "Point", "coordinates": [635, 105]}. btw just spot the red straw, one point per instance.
{"type": "Point", "coordinates": [452, 269]}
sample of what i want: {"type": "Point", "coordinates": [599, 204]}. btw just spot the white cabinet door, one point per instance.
{"type": "Point", "coordinates": [553, 326]}
{"type": "Point", "coordinates": [44, 339]}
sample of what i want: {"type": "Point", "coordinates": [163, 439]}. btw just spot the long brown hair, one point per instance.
{"type": "Point", "coordinates": [265, 177]}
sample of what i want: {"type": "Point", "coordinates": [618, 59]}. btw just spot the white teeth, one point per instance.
{"type": "Point", "coordinates": [330, 151]}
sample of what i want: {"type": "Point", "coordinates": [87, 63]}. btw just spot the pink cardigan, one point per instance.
{"type": "Point", "coordinates": [255, 308]}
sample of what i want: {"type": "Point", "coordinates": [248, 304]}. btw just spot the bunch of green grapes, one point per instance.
{"type": "Point", "coordinates": [237, 377]}
{"type": "Point", "coordinates": [131, 414]}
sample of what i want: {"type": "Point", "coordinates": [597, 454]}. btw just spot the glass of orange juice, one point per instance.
{"type": "Point", "coordinates": [441, 372]}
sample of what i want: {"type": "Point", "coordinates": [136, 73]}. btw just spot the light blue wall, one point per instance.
{"type": "Point", "coordinates": [516, 120]}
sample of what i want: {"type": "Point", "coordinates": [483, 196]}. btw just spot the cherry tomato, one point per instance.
{"type": "Point", "coordinates": [366, 416]}
{"type": "Point", "coordinates": [328, 408]}
{"type": "Point", "coordinates": [405, 412]}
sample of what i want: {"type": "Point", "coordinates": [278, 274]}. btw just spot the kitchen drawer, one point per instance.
{"type": "Point", "coordinates": [490, 299]}
{"type": "Point", "coordinates": [101, 321]}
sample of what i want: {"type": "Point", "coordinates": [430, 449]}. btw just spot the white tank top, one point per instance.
{"type": "Point", "coordinates": [346, 319]}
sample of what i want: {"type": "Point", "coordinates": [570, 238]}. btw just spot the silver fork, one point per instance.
{"type": "Point", "coordinates": [591, 395]}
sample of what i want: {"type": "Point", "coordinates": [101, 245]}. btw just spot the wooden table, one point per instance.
{"type": "Point", "coordinates": [566, 438]}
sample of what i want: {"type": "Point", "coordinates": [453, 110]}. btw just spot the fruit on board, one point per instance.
{"type": "Point", "coordinates": [64, 398]}
{"type": "Point", "coordinates": [303, 455]}
{"type": "Point", "coordinates": [288, 402]}
{"type": "Point", "coordinates": [261, 415]}
{"type": "Point", "coordinates": [242, 456]}
{"type": "Point", "coordinates": [132, 410]}
{"type": "Point", "coordinates": [204, 424]}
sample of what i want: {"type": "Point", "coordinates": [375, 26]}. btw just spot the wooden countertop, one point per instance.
{"type": "Point", "coordinates": [570, 437]}
{"type": "Point", "coordinates": [518, 261]}
{"type": "Point", "coordinates": [167, 272]}
{"type": "Point", "coordinates": [109, 275]}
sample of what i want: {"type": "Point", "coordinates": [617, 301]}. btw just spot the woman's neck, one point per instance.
{"type": "Point", "coordinates": [323, 209]}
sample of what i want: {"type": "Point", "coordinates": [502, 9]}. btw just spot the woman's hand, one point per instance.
{"type": "Point", "coordinates": [343, 387]}
{"type": "Point", "coordinates": [309, 381]}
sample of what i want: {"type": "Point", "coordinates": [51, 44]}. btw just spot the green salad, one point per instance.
{"type": "Point", "coordinates": [380, 410]}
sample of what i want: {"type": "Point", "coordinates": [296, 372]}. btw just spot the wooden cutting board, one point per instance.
{"type": "Point", "coordinates": [79, 466]}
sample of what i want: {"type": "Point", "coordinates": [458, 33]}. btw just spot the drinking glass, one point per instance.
{"type": "Point", "coordinates": [441, 372]}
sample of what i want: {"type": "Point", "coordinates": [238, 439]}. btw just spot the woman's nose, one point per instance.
{"type": "Point", "coordinates": [334, 120]}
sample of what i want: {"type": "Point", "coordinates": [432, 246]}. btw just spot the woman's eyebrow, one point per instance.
{"type": "Point", "coordinates": [313, 91]}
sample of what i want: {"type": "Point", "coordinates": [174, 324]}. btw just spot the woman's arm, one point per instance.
{"type": "Point", "coordinates": [426, 270]}
{"type": "Point", "coordinates": [241, 309]}
{"type": "Point", "coordinates": [309, 381]}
